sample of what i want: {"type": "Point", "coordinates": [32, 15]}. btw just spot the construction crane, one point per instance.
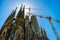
{"type": "Point", "coordinates": [50, 19]}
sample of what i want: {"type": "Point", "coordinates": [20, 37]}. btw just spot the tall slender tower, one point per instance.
{"type": "Point", "coordinates": [19, 22]}
{"type": "Point", "coordinates": [39, 33]}
{"type": "Point", "coordinates": [7, 25]}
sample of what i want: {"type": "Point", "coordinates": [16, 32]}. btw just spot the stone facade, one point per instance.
{"type": "Point", "coordinates": [21, 28]}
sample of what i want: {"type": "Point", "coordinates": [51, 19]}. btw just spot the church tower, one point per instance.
{"type": "Point", "coordinates": [7, 25]}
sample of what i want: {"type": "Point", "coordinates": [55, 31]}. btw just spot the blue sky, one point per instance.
{"type": "Point", "coordinates": [46, 8]}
